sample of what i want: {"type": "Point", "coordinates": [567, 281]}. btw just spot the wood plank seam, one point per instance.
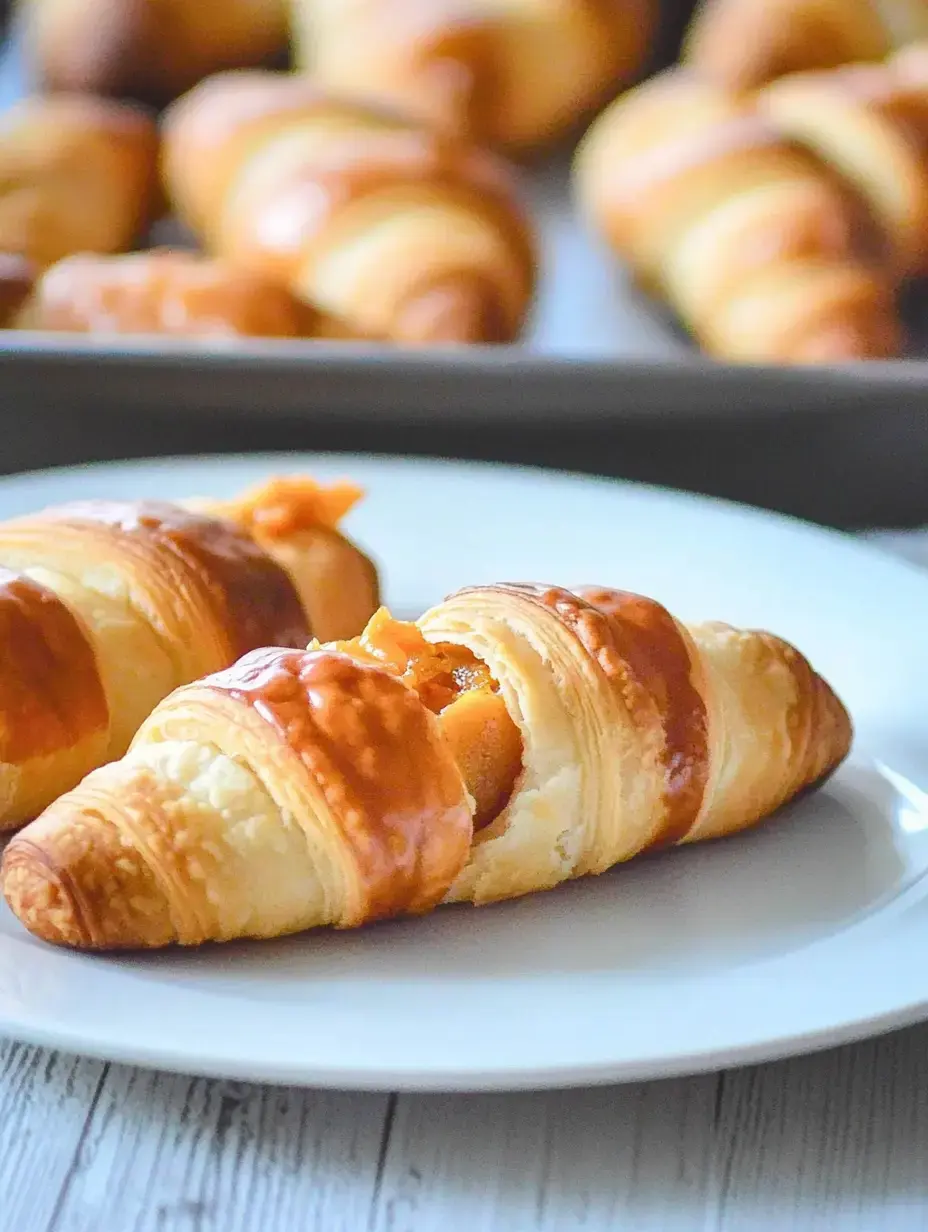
{"type": "Point", "coordinates": [75, 1163]}
{"type": "Point", "coordinates": [385, 1136]}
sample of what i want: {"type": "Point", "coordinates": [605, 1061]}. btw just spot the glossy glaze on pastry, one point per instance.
{"type": "Point", "coordinates": [398, 231]}
{"type": "Point", "coordinates": [778, 225]}
{"type": "Point", "coordinates": [105, 607]}
{"type": "Point", "coordinates": [514, 738]}
{"type": "Point", "coordinates": [176, 293]}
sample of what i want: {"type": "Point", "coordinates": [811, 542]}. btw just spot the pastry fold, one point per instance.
{"type": "Point", "coordinates": [106, 607]}
{"type": "Point", "coordinates": [514, 738]}
{"type": "Point", "coordinates": [779, 225]}
{"type": "Point", "coordinates": [402, 233]}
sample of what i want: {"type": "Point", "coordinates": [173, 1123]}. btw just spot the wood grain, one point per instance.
{"type": "Point", "coordinates": [46, 1102]}
{"type": "Point", "coordinates": [634, 1157]}
{"type": "Point", "coordinates": [835, 1141]}
{"type": "Point", "coordinates": [163, 1152]}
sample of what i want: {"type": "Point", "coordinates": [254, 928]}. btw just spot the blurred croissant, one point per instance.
{"type": "Point", "coordinates": [777, 225]}
{"type": "Point", "coordinates": [517, 737]}
{"type": "Point", "coordinates": [165, 292]}
{"type": "Point", "coordinates": [105, 607]}
{"type": "Point", "coordinates": [17, 281]}
{"type": "Point", "coordinates": [498, 73]}
{"type": "Point", "coordinates": [745, 43]}
{"type": "Point", "coordinates": [151, 50]}
{"type": "Point", "coordinates": [76, 175]}
{"type": "Point", "coordinates": [398, 232]}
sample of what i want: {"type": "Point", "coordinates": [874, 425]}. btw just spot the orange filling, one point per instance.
{"type": "Point", "coordinates": [288, 504]}
{"type": "Point", "coordinates": [458, 687]}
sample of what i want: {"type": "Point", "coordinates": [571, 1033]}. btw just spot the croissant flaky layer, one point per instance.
{"type": "Point", "coordinates": [400, 232]}
{"type": "Point", "coordinates": [514, 738]}
{"type": "Point", "coordinates": [105, 607]}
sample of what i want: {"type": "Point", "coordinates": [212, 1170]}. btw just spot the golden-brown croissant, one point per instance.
{"type": "Point", "coordinates": [514, 75]}
{"type": "Point", "coordinates": [105, 607]}
{"type": "Point", "coordinates": [166, 292]}
{"type": "Point", "coordinates": [150, 50]}
{"type": "Point", "coordinates": [776, 225]}
{"type": "Point", "coordinates": [76, 174]}
{"type": "Point", "coordinates": [399, 232]}
{"type": "Point", "coordinates": [746, 43]}
{"type": "Point", "coordinates": [516, 737]}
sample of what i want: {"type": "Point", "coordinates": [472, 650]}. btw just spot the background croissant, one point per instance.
{"type": "Point", "coordinates": [166, 292]}
{"type": "Point", "coordinates": [105, 607]}
{"type": "Point", "coordinates": [777, 225]}
{"type": "Point", "coordinates": [152, 50]}
{"type": "Point", "coordinates": [77, 174]}
{"type": "Point", "coordinates": [396, 231]}
{"type": "Point", "coordinates": [745, 43]}
{"type": "Point", "coordinates": [517, 737]}
{"type": "Point", "coordinates": [512, 75]}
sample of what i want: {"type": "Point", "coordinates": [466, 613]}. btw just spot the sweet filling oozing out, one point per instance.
{"type": "Point", "coordinates": [458, 687]}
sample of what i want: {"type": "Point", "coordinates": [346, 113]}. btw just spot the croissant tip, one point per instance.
{"type": "Point", "coordinates": [843, 343]}
{"type": "Point", "coordinates": [454, 310]}
{"type": "Point", "coordinates": [40, 898]}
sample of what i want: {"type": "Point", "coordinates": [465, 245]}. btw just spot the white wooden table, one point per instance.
{"type": "Point", "coordinates": [836, 1141]}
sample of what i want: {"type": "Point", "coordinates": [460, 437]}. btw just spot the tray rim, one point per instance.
{"type": "Point", "coordinates": [320, 380]}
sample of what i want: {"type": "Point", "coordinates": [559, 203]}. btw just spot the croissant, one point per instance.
{"type": "Point", "coordinates": [76, 174]}
{"type": "Point", "coordinates": [105, 607]}
{"type": "Point", "coordinates": [516, 737]}
{"type": "Point", "coordinates": [869, 122]}
{"type": "Point", "coordinates": [166, 292]}
{"type": "Point", "coordinates": [399, 232]}
{"type": "Point", "coordinates": [496, 73]}
{"type": "Point", "coordinates": [746, 43]}
{"type": "Point", "coordinates": [771, 223]}
{"type": "Point", "coordinates": [152, 50]}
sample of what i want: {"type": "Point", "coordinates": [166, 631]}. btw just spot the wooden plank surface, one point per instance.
{"type": "Point", "coordinates": [165, 1152]}
{"type": "Point", "coordinates": [834, 1141]}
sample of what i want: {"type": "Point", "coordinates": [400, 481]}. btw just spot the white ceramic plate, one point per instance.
{"type": "Point", "coordinates": [807, 932]}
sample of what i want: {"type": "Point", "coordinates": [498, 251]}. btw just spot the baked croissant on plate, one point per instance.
{"type": "Point", "coordinates": [166, 292]}
{"type": "Point", "coordinates": [513, 75]}
{"type": "Point", "coordinates": [515, 737]}
{"type": "Point", "coordinates": [151, 50]}
{"type": "Point", "coordinates": [106, 606]}
{"type": "Point", "coordinates": [77, 174]}
{"type": "Point", "coordinates": [399, 232]}
{"type": "Point", "coordinates": [746, 43]}
{"type": "Point", "coordinates": [779, 225]}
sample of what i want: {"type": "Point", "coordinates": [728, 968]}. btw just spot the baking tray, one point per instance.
{"type": "Point", "coordinates": [603, 381]}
